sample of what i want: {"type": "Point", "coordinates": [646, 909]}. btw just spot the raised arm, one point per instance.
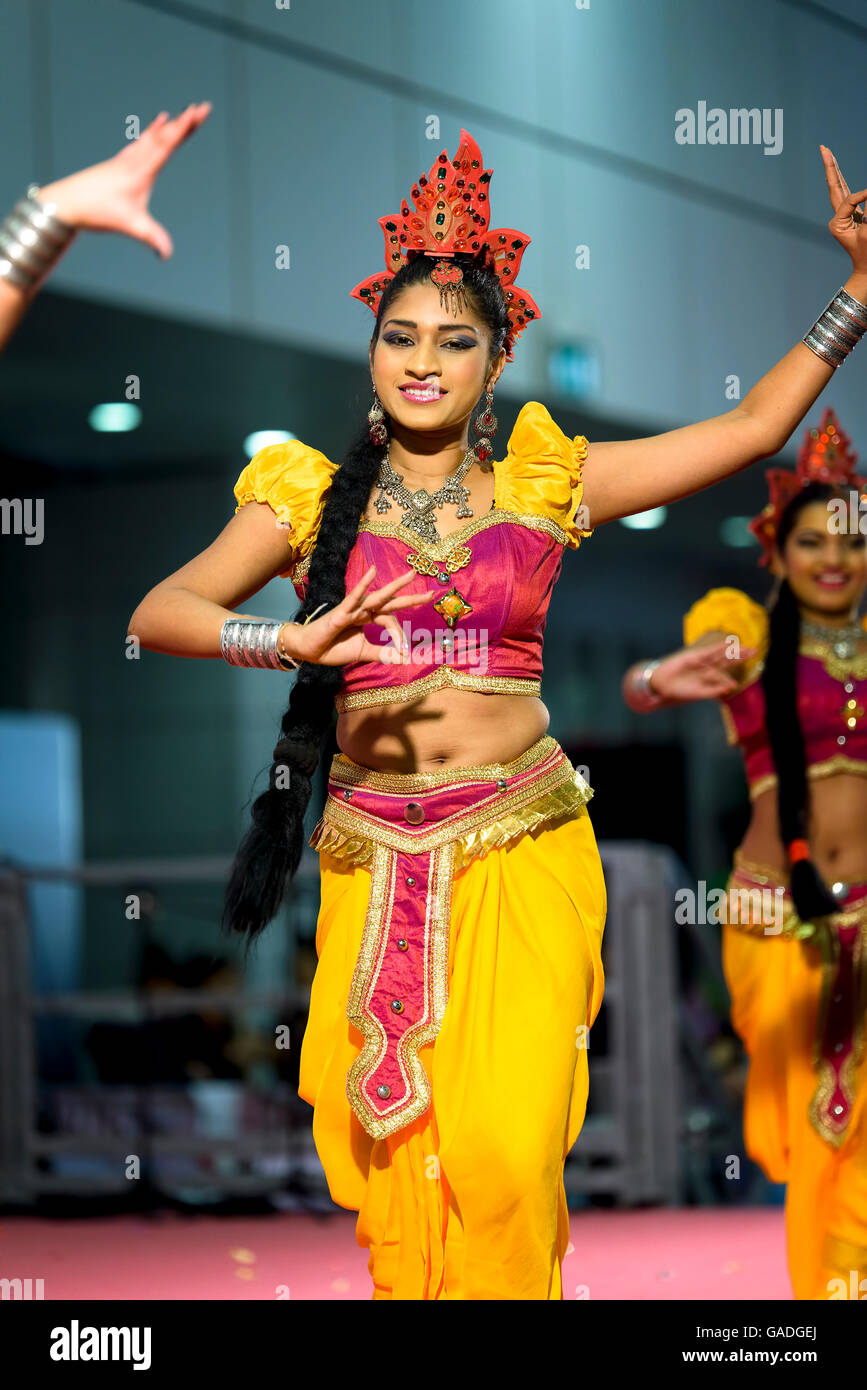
{"type": "Point", "coordinates": [628, 476]}
{"type": "Point", "coordinates": [111, 196]}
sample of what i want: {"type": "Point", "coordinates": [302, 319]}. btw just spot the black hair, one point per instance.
{"type": "Point", "coordinates": [271, 849]}
{"type": "Point", "coordinates": [780, 682]}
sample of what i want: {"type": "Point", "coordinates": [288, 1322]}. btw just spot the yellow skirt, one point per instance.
{"type": "Point", "coordinates": [780, 986]}
{"type": "Point", "coordinates": [467, 1200]}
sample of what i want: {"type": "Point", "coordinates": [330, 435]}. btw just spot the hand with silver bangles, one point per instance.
{"type": "Point", "coordinates": [337, 637]}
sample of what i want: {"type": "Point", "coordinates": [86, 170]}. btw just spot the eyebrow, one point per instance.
{"type": "Point", "coordinates": [410, 323]}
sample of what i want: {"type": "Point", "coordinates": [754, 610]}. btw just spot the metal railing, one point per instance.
{"type": "Point", "coordinates": [629, 1145]}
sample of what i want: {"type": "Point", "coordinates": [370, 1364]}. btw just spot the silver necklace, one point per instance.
{"type": "Point", "coordinates": [419, 505]}
{"type": "Point", "coordinates": [845, 641]}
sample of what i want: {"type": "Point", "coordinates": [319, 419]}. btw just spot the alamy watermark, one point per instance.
{"type": "Point", "coordinates": [738, 126]}
{"type": "Point", "coordinates": [763, 907]}
{"type": "Point", "coordinates": [23, 516]}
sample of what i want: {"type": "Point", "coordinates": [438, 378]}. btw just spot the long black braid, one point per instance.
{"type": "Point", "coordinates": [271, 849]}
{"type": "Point", "coordinates": [780, 683]}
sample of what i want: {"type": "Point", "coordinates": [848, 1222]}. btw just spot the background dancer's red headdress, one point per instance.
{"type": "Point", "coordinates": [451, 215]}
{"type": "Point", "coordinates": [825, 457]}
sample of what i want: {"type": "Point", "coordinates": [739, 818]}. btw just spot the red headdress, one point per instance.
{"type": "Point", "coordinates": [452, 213]}
{"type": "Point", "coordinates": [825, 457]}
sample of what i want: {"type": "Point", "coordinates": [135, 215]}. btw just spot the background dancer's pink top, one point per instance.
{"type": "Point", "coordinates": [832, 693]}
{"type": "Point", "coordinates": [495, 573]}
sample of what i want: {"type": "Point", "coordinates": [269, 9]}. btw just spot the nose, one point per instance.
{"type": "Point", "coordinates": [422, 363]}
{"type": "Point", "coordinates": [836, 552]}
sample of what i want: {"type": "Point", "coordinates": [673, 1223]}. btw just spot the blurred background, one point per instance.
{"type": "Point", "coordinates": [670, 277]}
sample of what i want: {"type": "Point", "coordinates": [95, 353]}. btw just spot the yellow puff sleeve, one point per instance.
{"type": "Point", "coordinates": [294, 480]}
{"type": "Point", "coordinates": [732, 612]}
{"type": "Point", "coordinates": [541, 474]}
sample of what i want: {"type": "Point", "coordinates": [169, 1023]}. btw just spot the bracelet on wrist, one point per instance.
{"type": "Point", "coordinates": [838, 329]}
{"type": "Point", "coordinates": [32, 240]}
{"type": "Point", "coordinates": [257, 642]}
{"type": "Point", "coordinates": [645, 697]}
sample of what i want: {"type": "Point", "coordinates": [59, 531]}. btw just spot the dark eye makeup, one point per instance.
{"type": "Point", "coordinates": [397, 338]}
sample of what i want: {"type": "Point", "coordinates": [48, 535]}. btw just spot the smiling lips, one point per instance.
{"type": "Point", "coordinates": [422, 394]}
{"type": "Point", "coordinates": [832, 579]}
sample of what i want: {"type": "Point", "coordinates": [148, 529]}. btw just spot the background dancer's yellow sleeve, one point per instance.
{"type": "Point", "coordinates": [731, 613]}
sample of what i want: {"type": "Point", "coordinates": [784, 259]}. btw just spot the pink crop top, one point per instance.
{"type": "Point", "coordinates": [495, 573]}
{"type": "Point", "coordinates": [832, 694]}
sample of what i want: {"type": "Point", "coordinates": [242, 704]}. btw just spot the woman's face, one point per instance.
{"type": "Point", "coordinates": [430, 368]}
{"type": "Point", "coordinates": [827, 571]}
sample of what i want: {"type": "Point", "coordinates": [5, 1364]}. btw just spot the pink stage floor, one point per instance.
{"type": "Point", "coordinates": [657, 1254]}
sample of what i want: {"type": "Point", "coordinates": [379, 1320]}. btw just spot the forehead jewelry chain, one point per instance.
{"type": "Point", "coordinates": [419, 505]}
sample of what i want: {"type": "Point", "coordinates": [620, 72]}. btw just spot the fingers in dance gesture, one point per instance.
{"type": "Point", "coordinates": [701, 672]}
{"type": "Point", "coordinates": [848, 225]}
{"type": "Point", "coordinates": [338, 636]}
{"type": "Point", "coordinates": [113, 196]}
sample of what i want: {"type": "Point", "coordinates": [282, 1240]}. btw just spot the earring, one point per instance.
{"type": "Point", "coordinates": [378, 431]}
{"type": "Point", "coordinates": [486, 423]}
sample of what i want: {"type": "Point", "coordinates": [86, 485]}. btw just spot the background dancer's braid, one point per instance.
{"type": "Point", "coordinates": [780, 684]}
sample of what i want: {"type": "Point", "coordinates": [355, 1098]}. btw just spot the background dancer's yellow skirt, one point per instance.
{"type": "Point", "coordinates": [777, 986]}
{"type": "Point", "coordinates": [467, 1201]}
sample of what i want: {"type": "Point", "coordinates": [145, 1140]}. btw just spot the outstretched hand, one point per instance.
{"type": "Point", "coordinates": [338, 636]}
{"type": "Point", "coordinates": [848, 225]}
{"type": "Point", "coordinates": [704, 672]}
{"type": "Point", "coordinates": [113, 196]}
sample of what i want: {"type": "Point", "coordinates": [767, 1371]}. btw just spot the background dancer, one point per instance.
{"type": "Point", "coordinates": [793, 692]}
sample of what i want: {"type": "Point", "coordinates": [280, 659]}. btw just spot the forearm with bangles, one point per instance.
{"type": "Point", "coordinates": [179, 622]}
{"type": "Point", "coordinates": [638, 691]}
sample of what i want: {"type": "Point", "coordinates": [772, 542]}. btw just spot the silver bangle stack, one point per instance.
{"type": "Point", "coordinates": [838, 328]}
{"type": "Point", "coordinates": [254, 642]}
{"type": "Point", "coordinates": [32, 240]}
{"type": "Point", "coordinates": [645, 698]}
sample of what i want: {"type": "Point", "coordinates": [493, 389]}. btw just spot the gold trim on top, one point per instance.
{"type": "Point", "coordinates": [440, 551]}
{"type": "Point", "coordinates": [436, 680]}
{"type": "Point", "coordinates": [301, 570]}
{"type": "Point", "coordinates": [348, 773]}
{"type": "Point", "coordinates": [839, 668]}
{"type": "Point", "coordinates": [829, 767]}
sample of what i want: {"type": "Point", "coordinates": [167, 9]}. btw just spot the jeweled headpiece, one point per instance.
{"type": "Point", "coordinates": [451, 215]}
{"type": "Point", "coordinates": [825, 457]}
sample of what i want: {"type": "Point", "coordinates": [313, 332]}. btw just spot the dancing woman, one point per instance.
{"type": "Point", "coordinates": [461, 886]}
{"type": "Point", "coordinates": [792, 686]}
{"type": "Point", "coordinates": [463, 900]}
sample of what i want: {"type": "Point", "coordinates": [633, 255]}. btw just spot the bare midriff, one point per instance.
{"type": "Point", "coordinates": [837, 829]}
{"type": "Point", "coordinates": [447, 728]}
